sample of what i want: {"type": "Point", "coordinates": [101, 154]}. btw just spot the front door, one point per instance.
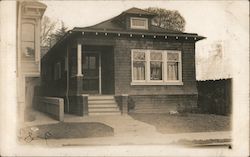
{"type": "Point", "coordinates": [91, 73]}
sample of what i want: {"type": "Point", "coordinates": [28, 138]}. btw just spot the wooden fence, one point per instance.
{"type": "Point", "coordinates": [215, 97]}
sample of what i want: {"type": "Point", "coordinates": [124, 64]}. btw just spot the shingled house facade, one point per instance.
{"type": "Point", "coordinates": [146, 67]}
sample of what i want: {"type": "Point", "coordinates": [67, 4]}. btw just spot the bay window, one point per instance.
{"type": "Point", "coordinates": [28, 40]}
{"type": "Point", "coordinates": [156, 67]}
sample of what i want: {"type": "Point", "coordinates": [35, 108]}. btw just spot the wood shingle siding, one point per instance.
{"type": "Point", "coordinates": [122, 52]}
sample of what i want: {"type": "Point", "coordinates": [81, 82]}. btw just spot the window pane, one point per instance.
{"type": "Point", "coordinates": [155, 70]}
{"type": "Point", "coordinates": [92, 62]}
{"type": "Point", "coordinates": [138, 55]}
{"type": "Point", "coordinates": [139, 70]}
{"type": "Point", "coordinates": [172, 71]}
{"type": "Point", "coordinates": [28, 49]}
{"type": "Point", "coordinates": [139, 22]}
{"type": "Point", "coordinates": [155, 56]}
{"type": "Point", "coordinates": [173, 56]}
{"type": "Point", "coordinates": [28, 32]}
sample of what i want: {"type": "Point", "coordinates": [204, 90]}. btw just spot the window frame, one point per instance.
{"type": "Point", "coordinates": [33, 41]}
{"type": "Point", "coordinates": [145, 61]}
{"type": "Point", "coordinates": [138, 27]}
{"type": "Point", "coordinates": [57, 71]}
{"type": "Point", "coordinates": [164, 80]}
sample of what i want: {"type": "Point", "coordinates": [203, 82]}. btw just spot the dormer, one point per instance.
{"type": "Point", "coordinates": [135, 19]}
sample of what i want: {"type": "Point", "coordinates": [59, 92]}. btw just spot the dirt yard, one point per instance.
{"type": "Point", "coordinates": [67, 130]}
{"type": "Point", "coordinates": [166, 123]}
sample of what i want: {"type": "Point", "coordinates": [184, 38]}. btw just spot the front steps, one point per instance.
{"type": "Point", "coordinates": [103, 105]}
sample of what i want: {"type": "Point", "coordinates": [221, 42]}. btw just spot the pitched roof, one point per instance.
{"type": "Point", "coordinates": [138, 12]}
{"type": "Point", "coordinates": [114, 26]}
{"type": "Point", "coordinates": [111, 25]}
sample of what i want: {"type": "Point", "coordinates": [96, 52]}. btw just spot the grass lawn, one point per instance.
{"type": "Point", "coordinates": [166, 123]}
{"type": "Point", "coordinates": [70, 130]}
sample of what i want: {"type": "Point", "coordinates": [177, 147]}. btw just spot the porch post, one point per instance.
{"type": "Point", "coordinates": [79, 59]}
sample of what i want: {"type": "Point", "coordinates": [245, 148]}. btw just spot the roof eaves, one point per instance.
{"type": "Point", "coordinates": [58, 42]}
{"type": "Point", "coordinates": [77, 29]}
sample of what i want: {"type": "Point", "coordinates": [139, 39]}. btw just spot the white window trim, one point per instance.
{"type": "Point", "coordinates": [36, 22]}
{"type": "Point", "coordinates": [164, 80]}
{"type": "Point", "coordinates": [138, 27]}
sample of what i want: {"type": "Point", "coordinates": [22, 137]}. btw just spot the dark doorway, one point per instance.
{"type": "Point", "coordinates": [91, 72]}
{"type": "Point", "coordinates": [98, 70]}
{"type": "Point", "coordinates": [108, 81]}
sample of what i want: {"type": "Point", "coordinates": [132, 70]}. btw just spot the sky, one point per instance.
{"type": "Point", "coordinates": [217, 20]}
{"type": "Point", "coordinates": [207, 18]}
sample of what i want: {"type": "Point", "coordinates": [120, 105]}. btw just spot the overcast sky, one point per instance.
{"type": "Point", "coordinates": [207, 18]}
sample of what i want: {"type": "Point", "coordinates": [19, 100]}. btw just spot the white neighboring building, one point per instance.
{"type": "Point", "coordinates": [213, 61]}
{"type": "Point", "coordinates": [29, 14]}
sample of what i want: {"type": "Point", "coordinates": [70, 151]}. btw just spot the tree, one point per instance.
{"type": "Point", "coordinates": [168, 19]}
{"type": "Point", "coordinates": [59, 33]}
{"type": "Point", "coordinates": [47, 28]}
{"type": "Point", "coordinates": [51, 33]}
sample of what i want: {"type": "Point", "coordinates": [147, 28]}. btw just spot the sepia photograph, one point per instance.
{"type": "Point", "coordinates": [124, 78]}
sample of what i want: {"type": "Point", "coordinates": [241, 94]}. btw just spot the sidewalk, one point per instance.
{"type": "Point", "coordinates": [127, 131]}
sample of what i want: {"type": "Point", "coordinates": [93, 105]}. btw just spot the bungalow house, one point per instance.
{"type": "Point", "coordinates": [124, 64]}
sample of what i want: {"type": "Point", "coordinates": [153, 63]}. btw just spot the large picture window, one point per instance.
{"type": "Point", "coordinates": [156, 67]}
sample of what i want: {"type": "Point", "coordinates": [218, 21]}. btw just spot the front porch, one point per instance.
{"type": "Point", "coordinates": [91, 81]}
{"type": "Point", "coordinates": [91, 70]}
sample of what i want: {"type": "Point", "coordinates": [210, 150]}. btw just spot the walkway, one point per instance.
{"type": "Point", "coordinates": [127, 131]}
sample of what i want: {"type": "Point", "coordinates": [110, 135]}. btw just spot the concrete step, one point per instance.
{"type": "Point", "coordinates": [102, 105]}
{"type": "Point", "coordinates": [103, 97]}
{"type": "Point", "coordinates": [110, 109]}
{"type": "Point", "coordinates": [101, 102]}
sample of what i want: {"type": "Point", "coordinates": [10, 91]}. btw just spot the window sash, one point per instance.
{"type": "Point", "coordinates": [164, 78]}
{"type": "Point", "coordinates": [133, 26]}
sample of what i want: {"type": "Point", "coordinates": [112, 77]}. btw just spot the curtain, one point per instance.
{"type": "Point", "coordinates": [155, 70]}
{"type": "Point", "coordinates": [139, 70]}
{"type": "Point", "coordinates": [172, 71]}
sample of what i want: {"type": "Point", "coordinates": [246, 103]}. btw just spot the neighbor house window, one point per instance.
{"type": "Point", "coordinates": [57, 71]}
{"type": "Point", "coordinates": [138, 23]}
{"type": "Point", "coordinates": [156, 67]}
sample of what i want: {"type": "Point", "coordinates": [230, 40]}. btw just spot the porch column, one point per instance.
{"type": "Point", "coordinates": [79, 59]}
